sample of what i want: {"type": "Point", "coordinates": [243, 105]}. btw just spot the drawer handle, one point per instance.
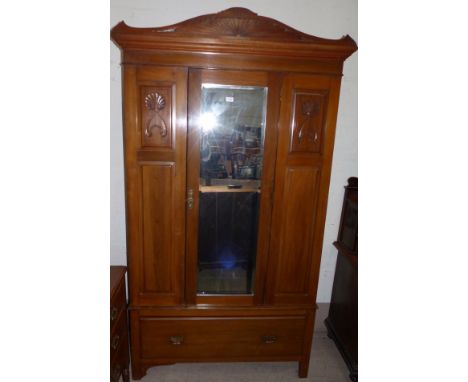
{"type": "Point", "coordinates": [114, 312]}
{"type": "Point", "coordinates": [176, 340]}
{"type": "Point", "coordinates": [116, 373]}
{"type": "Point", "coordinates": [269, 339]}
{"type": "Point", "coordinates": [115, 342]}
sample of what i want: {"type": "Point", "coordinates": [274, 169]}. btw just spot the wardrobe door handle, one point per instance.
{"type": "Point", "coordinates": [190, 199]}
{"type": "Point", "coordinates": [176, 340]}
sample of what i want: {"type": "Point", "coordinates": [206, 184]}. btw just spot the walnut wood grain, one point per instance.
{"type": "Point", "coordinates": [218, 338]}
{"type": "Point", "coordinates": [226, 61]}
{"type": "Point", "coordinates": [297, 222]}
{"type": "Point", "coordinates": [291, 243]}
{"type": "Point", "coordinates": [155, 187]}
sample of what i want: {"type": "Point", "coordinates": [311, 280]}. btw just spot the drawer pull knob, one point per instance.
{"type": "Point", "coordinates": [115, 342]}
{"type": "Point", "coordinates": [114, 312]}
{"type": "Point", "coordinates": [176, 340]}
{"type": "Point", "coordinates": [269, 339]}
{"type": "Point", "coordinates": [116, 373]}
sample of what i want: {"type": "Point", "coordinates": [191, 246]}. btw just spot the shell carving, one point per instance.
{"type": "Point", "coordinates": [155, 102]}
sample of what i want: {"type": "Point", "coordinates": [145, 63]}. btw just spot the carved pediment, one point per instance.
{"type": "Point", "coordinates": [236, 27]}
{"type": "Point", "coordinates": [237, 22]}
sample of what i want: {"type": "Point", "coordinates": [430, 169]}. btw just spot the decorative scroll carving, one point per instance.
{"type": "Point", "coordinates": [307, 124]}
{"type": "Point", "coordinates": [308, 109]}
{"type": "Point", "coordinates": [156, 116]}
{"type": "Point", "coordinates": [155, 102]}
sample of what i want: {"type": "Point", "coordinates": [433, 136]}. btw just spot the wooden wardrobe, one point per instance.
{"type": "Point", "coordinates": [229, 126]}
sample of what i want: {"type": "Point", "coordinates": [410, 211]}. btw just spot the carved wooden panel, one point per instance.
{"type": "Point", "coordinates": [237, 22]}
{"type": "Point", "coordinates": [156, 116]}
{"type": "Point", "coordinates": [299, 200]}
{"type": "Point", "coordinates": [307, 121]}
{"type": "Point", "coordinates": [157, 213]}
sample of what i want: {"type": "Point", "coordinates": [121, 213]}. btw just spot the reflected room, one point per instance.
{"type": "Point", "coordinates": [232, 126]}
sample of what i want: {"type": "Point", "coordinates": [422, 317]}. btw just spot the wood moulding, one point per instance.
{"type": "Point", "coordinates": [235, 30]}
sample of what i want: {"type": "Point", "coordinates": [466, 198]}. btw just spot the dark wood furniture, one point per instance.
{"type": "Point", "coordinates": [119, 344]}
{"type": "Point", "coordinates": [230, 102]}
{"type": "Point", "coordinates": [342, 320]}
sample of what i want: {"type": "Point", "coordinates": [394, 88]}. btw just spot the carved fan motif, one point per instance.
{"type": "Point", "coordinates": [234, 27]}
{"type": "Point", "coordinates": [239, 22]}
{"type": "Point", "coordinates": [155, 102]}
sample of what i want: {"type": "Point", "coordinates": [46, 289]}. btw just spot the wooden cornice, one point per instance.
{"type": "Point", "coordinates": [235, 30]}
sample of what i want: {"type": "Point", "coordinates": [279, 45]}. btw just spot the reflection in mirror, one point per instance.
{"type": "Point", "coordinates": [232, 126]}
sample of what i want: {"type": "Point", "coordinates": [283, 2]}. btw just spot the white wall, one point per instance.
{"type": "Point", "coordinates": [323, 18]}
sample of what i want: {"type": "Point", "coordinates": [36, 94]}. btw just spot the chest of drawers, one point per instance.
{"type": "Point", "coordinates": [119, 353]}
{"type": "Point", "coordinates": [342, 321]}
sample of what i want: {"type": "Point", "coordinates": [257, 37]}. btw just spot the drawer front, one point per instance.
{"type": "Point", "coordinates": [118, 335]}
{"type": "Point", "coordinates": [117, 305]}
{"type": "Point", "coordinates": [120, 361]}
{"type": "Point", "coordinates": [216, 338]}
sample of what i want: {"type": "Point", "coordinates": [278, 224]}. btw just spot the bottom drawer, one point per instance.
{"type": "Point", "coordinates": [119, 334]}
{"type": "Point", "coordinates": [215, 338]}
{"type": "Point", "coordinates": [120, 361]}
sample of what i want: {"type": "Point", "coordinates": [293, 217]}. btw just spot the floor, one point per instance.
{"type": "Point", "coordinates": [326, 365]}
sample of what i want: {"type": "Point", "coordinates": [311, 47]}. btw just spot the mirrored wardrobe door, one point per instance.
{"type": "Point", "coordinates": [231, 143]}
